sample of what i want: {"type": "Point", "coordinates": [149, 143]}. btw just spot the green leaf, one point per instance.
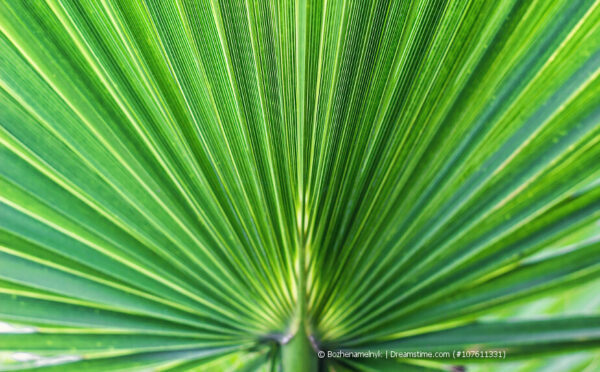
{"type": "Point", "coordinates": [235, 185]}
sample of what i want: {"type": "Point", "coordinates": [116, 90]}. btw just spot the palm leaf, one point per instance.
{"type": "Point", "coordinates": [236, 185]}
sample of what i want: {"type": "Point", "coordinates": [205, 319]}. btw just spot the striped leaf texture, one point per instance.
{"type": "Point", "coordinates": [237, 185]}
